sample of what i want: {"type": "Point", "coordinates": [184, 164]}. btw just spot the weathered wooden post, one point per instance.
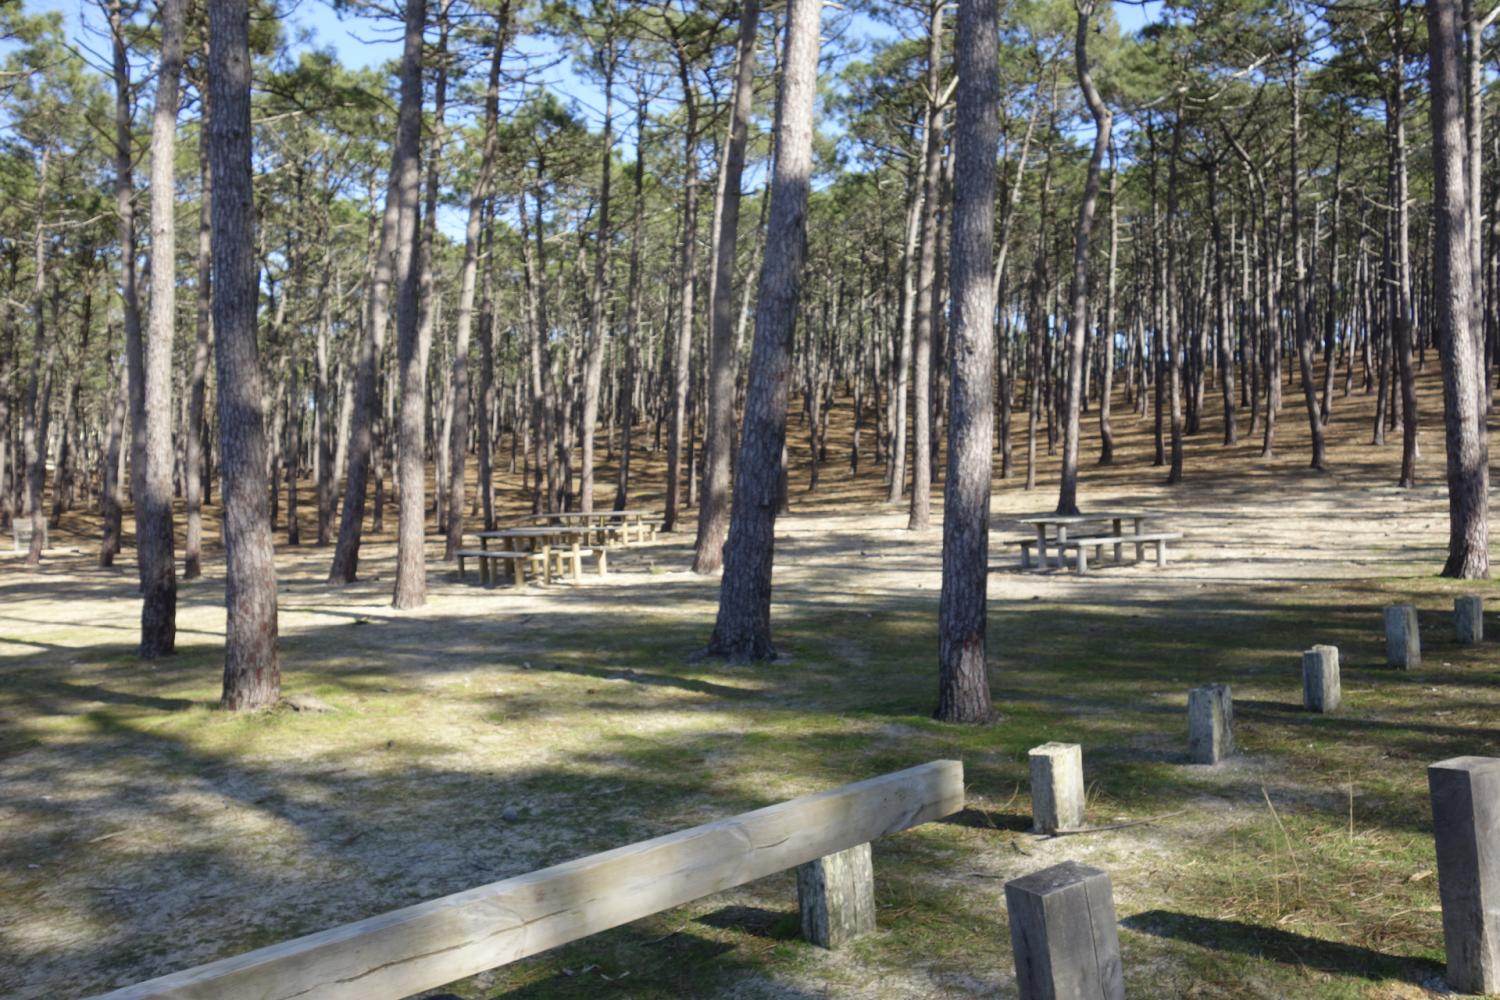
{"type": "Point", "coordinates": [1403, 646]}
{"type": "Point", "coordinates": [836, 894]}
{"type": "Point", "coordinates": [1320, 679]}
{"type": "Point", "coordinates": [1466, 832]}
{"type": "Point", "coordinates": [1057, 796]}
{"type": "Point", "coordinates": [1468, 618]}
{"type": "Point", "coordinates": [1210, 723]}
{"type": "Point", "coordinates": [1063, 934]}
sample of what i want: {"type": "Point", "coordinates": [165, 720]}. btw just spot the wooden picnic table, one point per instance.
{"type": "Point", "coordinates": [543, 537]}
{"type": "Point", "coordinates": [1061, 523]}
{"type": "Point", "coordinates": [600, 521]}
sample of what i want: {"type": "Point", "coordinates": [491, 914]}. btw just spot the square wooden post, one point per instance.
{"type": "Point", "coordinates": [1468, 619]}
{"type": "Point", "coordinates": [1403, 645]}
{"type": "Point", "coordinates": [1210, 723]}
{"type": "Point", "coordinates": [1057, 795]}
{"type": "Point", "coordinates": [1465, 795]}
{"type": "Point", "coordinates": [836, 895]}
{"type": "Point", "coordinates": [1063, 934]}
{"type": "Point", "coordinates": [1320, 679]}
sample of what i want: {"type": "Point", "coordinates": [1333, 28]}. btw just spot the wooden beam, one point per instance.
{"type": "Point", "coordinates": [396, 954]}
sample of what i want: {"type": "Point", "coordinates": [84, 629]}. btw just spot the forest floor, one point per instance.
{"type": "Point", "coordinates": [489, 733]}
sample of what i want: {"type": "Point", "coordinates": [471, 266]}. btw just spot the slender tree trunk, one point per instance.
{"type": "Point", "coordinates": [252, 669]}
{"type": "Point", "coordinates": [1452, 276]}
{"type": "Point", "coordinates": [129, 293]}
{"type": "Point", "coordinates": [919, 516]}
{"type": "Point", "coordinates": [743, 628]}
{"type": "Point", "coordinates": [1067, 498]}
{"type": "Point", "coordinates": [1302, 321]}
{"type": "Point", "coordinates": [192, 566]}
{"type": "Point", "coordinates": [411, 353]}
{"type": "Point", "coordinates": [633, 303]}
{"type": "Point", "coordinates": [963, 672]}
{"type": "Point", "coordinates": [153, 503]}
{"type": "Point", "coordinates": [718, 438]}
{"type": "Point", "coordinates": [1106, 389]}
{"type": "Point", "coordinates": [681, 368]}
{"type": "Point", "coordinates": [39, 388]}
{"type": "Point", "coordinates": [458, 446]}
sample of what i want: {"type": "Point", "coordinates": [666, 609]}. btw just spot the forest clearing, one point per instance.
{"type": "Point", "coordinates": [808, 370]}
{"type": "Point", "coordinates": [491, 733]}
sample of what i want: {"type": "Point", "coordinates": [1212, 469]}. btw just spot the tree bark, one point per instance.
{"type": "Point", "coordinates": [743, 628]}
{"type": "Point", "coordinates": [963, 674]}
{"type": "Point", "coordinates": [483, 186]}
{"type": "Point", "coordinates": [1067, 498]}
{"type": "Point", "coordinates": [1452, 276]}
{"type": "Point", "coordinates": [718, 438]}
{"type": "Point", "coordinates": [411, 354]}
{"type": "Point", "coordinates": [252, 668]}
{"type": "Point", "coordinates": [153, 502]}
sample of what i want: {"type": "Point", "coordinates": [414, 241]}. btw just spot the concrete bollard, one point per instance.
{"type": "Point", "coordinates": [1466, 832]}
{"type": "Point", "coordinates": [1210, 723]}
{"type": "Point", "coordinates": [1468, 619]}
{"type": "Point", "coordinates": [1320, 679]}
{"type": "Point", "coordinates": [1403, 646]}
{"type": "Point", "coordinates": [1063, 934]}
{"type": "Point", "coordinates": [1057, 795]}
{"type": "Point", "coordinates": [836, 895]}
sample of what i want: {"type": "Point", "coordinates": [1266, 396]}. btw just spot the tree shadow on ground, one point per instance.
{"type": "Point", "coordinates": [1279, 945]}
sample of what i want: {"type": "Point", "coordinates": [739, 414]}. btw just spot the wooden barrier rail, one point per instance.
{"type": "Point", "coordinates": [421, 947]}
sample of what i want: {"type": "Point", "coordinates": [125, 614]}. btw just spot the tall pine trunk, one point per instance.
{"type": "Point", "coordinates": [1453, 292]}
{"type": "Point", "coordinates": [742, 630]}
{"type": "Point", "coordinates": [963, 673]}
{"type": "Point", "coordinates": [252, 669]}
{"type": "Point", "coordinates": [718, 438]}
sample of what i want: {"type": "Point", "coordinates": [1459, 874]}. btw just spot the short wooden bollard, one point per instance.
{"type": "Point", "coordinates": [1468, 619]}
{"type": "Point", "coordinates": [1320, 679]}
{"type": "Point", "coordinates": [1403, 645]}
{"type": "Point", "coordinates": [1466, 832]}
{"type": "Point", "coordinates": [1210, 723]}
{"type": "Point", "coordinates": [836, 895]}
{"type": "Point", "coordinates": [1063, 934]}
{"type": "Point", "coordinates": [1057, 796]}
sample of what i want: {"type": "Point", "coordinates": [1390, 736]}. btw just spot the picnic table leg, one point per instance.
{"type": "Point", "coordinates": [576, 558]}
{"type": "Point", "coordinates": [1161, 552]}
{"type": "Point", "coordinates": [1140, 550]}
{"type": "Point", "coordinates": [547, 563]}
{"type": "Point", "coordinates": [1041, 546]}
{"type": "Point", "coordinates": [1062, 548]}
{"type": "Point", "coordinates": [460, 567]}
{"type": "Point", "coordinates": [1119, 546]}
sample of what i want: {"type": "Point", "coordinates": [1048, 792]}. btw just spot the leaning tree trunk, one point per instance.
{"type": "Point", "coordinates": [1302, 321]}
{"type": "Point", "coordinates": [252, 669]}
{"type": "Point", "coordinates": [718, 437]}
{"type": "Point", "coordinates": [743, 628]}
{"type": "Point", "coordinates": [1452, 276]}
{"type": "Point", "coordinates": [153, 503]}
{"type": "Point", "coordinates": [963, 674]}
{"type": "Point", "coordinates": [1067, 497]}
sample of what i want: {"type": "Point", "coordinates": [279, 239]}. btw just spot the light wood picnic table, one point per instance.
{"type": "Point", "coordinates": [600, 521]}
{"type": "Point", "coordinates": [543, 537]}
{"type": "Point", "coordinates": [1061, 523]}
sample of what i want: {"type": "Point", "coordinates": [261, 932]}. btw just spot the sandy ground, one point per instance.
{"type": "Point", "coordinates": [140, 830]}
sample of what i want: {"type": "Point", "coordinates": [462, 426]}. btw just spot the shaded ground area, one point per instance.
{"type": "Point", "coordinates": [489, 734]}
